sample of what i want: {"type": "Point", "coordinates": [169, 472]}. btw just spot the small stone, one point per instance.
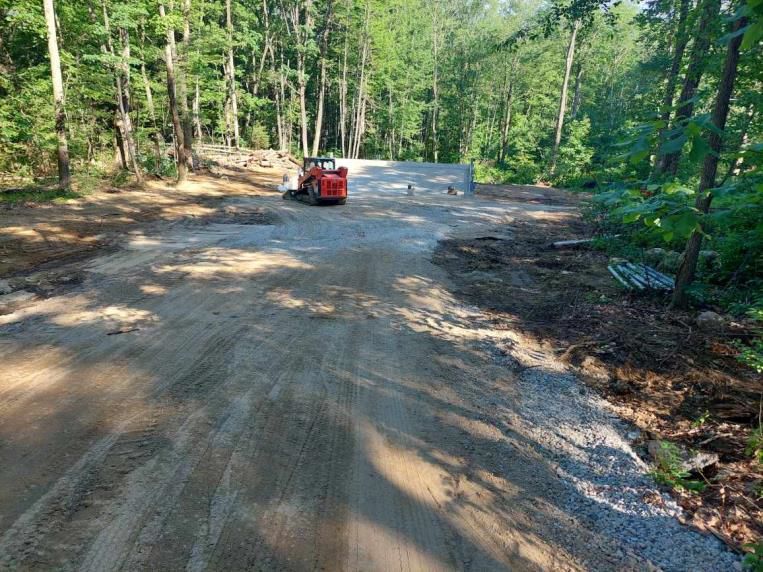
{"type": "Point", "coordinates": [671, 261]}
{"type": "Point", "coordinates": [5, 287]}
{"type": "Point", "coordinates": [710, 321]}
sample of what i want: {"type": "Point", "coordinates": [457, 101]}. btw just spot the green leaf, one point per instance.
{"type": "Point", "coordinates": [673, 145]}
{"type": "Point", "coordinates": [639, 156]}
{"type": "Point", "coordinates": [753, 35]}
{"type": "Point", "coordinates": [699, 148]}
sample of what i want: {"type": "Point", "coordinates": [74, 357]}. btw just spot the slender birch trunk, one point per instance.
{"type": "Point", "coordinates": [231, 76]}
{"type": "Point", "coordinates": [157, 134]}
{"type": "Point", "coordinates": [322, 84]}
{"type": "Point", "coordinates": [64, 176]}
{"type": "Point", "coordinates": [180, 159]}
{"type": "Point", "coordinates": [185, 112]}
{"type": "Point", "coordinates": [563, 96]}
{"type": "Point", "coordinates": [343, 99]}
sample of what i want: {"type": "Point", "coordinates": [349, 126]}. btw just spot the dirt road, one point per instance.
{"type": "Point", "coordinates": [299, 395]}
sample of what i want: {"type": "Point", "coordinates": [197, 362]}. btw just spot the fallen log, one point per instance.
{"type": "Point", "coordinates": [580, 243]}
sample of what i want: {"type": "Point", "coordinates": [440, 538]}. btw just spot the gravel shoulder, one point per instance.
{"type": "Point", "coordinates": [297, 388]}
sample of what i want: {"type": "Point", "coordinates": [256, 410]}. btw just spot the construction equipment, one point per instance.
{"type": "Point", "coordinates": [320, 182]}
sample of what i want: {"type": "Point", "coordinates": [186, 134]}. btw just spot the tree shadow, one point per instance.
{"type": "Point", "coordinates": [285, 388]}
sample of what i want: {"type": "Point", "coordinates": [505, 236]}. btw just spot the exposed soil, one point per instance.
{"type": "Point", "coordinates": [224, 380]}
{"type": "Point", "coordinates": [668, 377]}
{"type": "Point", "coordinates": [32, 234]}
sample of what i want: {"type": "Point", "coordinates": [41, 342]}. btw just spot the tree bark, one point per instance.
{"type": "Point", "coordinates": [697, 60]}
{"type": "Point", "coordinates": [197, 112]}
{"type": "Point", "coordinates": [122, 83]}
{"type": "Point", "coordinates": [735, 167]}
{"type": "Point", "coordinates": [681, 40]}
{"type": "Point", "coordinates": [185, 114]}
{"type": "Point", "coordinates": [156, 135]}
{"type": "Point", "coordinates": [231, 77]}
{"type": "Point", "coordinates": [360, 109]}
{"type": "Point", "coordinates": [64, 176]}
{"type": "Point", "coordinates": [180, 159]}
{"type": "Point", "coordinates": [506, 119]}
{"type": "Point", "coordinates": [435, 84]}
{"type": "Point", "coordinates": [343, 99]}
{"type": "Point", "coordinates": [126, 101]}
{"type": "Point", "coordinates": [688, 268]}
{"type": "Point", "coordinates": [577, 95]}
{"type": "Point", "coordinates": [322, 84]}
{"type": "Point", "coordinates": [563, 97]}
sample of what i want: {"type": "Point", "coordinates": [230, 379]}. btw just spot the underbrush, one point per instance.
{"type": "Point", "coordinates": [651, 227]}
{"type": "Point", "coordinates": [45, 190]}
{"type": "Point", "coordinates": [681, 385]}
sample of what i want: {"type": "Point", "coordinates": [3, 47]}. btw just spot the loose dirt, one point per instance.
{"type": "Point", "coordinates": [662, 372]}
{"type": "Point", "coordinates": [290, 388]}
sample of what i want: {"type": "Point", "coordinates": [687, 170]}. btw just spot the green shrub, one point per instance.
{"type": "Point", "coordinates": [668, 469]}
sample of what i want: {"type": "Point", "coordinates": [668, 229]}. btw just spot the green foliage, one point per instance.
{"type": "Point", "coordinates": [668, 470]}
{"type": "Point", "coordinates": [575, 155]}
{"type": "Point", "coordinates": [491, 174]}
{"type": "Point", "coordinates": [755, 444]}
{"type": "Point", "coordinates": [751, 355]}
{"type": "Point", "coordinates": [259, 137]}
{"type": "Point", "coordinates": [35, 194]}
{"type": "Point", "coordinates": [701, 420]}
{"type": "Point", "coordinates": [753, 560]}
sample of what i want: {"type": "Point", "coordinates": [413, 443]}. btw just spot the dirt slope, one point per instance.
{"type": "Point", "coordinates": [302, 394]}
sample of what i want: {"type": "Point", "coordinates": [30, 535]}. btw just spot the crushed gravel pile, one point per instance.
{"type": "Point", "coordinates": [609, 488]}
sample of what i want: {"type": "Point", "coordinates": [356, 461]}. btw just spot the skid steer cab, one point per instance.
{"type": "Point", "coordinates": [320, 182]}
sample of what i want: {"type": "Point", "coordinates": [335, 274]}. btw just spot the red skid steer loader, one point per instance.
{"type": "Point", "coordinates": [320, 182]}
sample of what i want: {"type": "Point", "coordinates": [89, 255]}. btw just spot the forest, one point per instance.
{"type": "Point", "coordinates": [651, 105]}
{"type": "Point", "coordinates": [649, 113]}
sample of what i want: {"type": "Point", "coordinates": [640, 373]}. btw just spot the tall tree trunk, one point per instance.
{"type": "Point", "coordinates": [322, 84]}
{"type": "Point", "coordinates": [506, 120]}
{"type": "Point", "coordinates": [197, 112]}
{"type": "Point", "coordinates": [280, 94]}
{"type": "Point", "coordinates": [577, 94]}
{"type": "Point", "coordinates": [681, 39]}
{"type": "Point", "coordinates": [302, 90]}
{"type": "Point", "coordinates": [735, 167]}
{"type": "Point", "coordinates": [122, 83]}
{"type": "Point", "coordinates": [180, 159]}
{"type": "Point", "coordinates": [231, 77]}
{"type": "Point", "coordinates": [185, 113]}
{"type": "Point", "coordinates": [343, 99]}
{"type": "Point", "coordinates": [687, 270]}
{"type": "Point", "coordinates": [360, 108]}
{"type": "Point", "coordinates": [156, 132]}
{"type": "Point", "coordinates": [435, 85]}
{"type": "Point", "coordinates": [127, 105]}
{"type": "Point", "coordinates": [563, 96]}
{"type": "Point", "coordinates": [64, 176]}
{"type": "Point", "coordinates": [697, 61]}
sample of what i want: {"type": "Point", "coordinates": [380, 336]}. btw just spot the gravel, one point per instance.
{"type": "Point", "coordinates": [607, 482]}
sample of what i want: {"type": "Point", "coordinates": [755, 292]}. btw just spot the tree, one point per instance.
{"type": "Point", "coordinates": [563, 96]}
{"type": "Point", "coordinates": [322, 81]}
{"type": "Point", "coordinates": [122, 83]}
{"type": "Point", "coordinates": [694, 71]}
{"type": "Point", "coordinates": [169, 61]}
{"type": "Point", "coordinates": [232, 127]}
{"type": "Point", "coordinates": [64, 177]}
{"type": "Point", "coordinates": [707, 183]}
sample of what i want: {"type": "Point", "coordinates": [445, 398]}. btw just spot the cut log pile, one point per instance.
{"type": "Point", "coordinates": [248, 158]}
{"type": "Point", "coordinates": [269, 158]}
